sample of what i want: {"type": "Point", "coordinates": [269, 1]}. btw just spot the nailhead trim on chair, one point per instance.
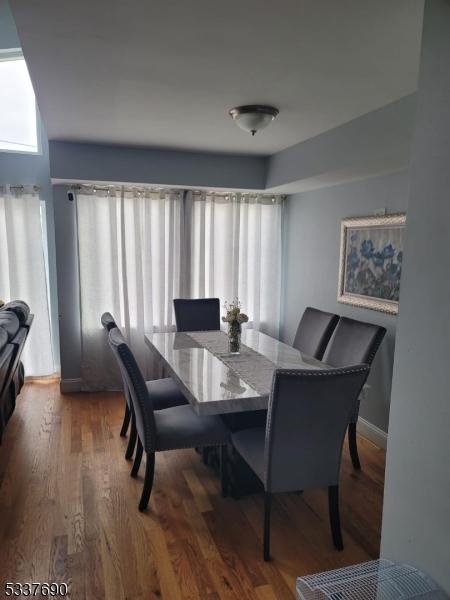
{"type": "Point", "coordinates": [204, 445]}
{"type": "Point", "coordinates": [378, 339]}
{"type": "Point", "coordinates": [318, 373]}
{"type": "Point", "coordinates": [298, 373]}
{"type": "Point", "coordinates": [377, 342]}
{"type": "Point", "coordinates": [142, 396]}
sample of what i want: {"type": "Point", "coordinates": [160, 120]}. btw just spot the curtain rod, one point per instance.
{"type": "Point", "coordinates": [234, 194]}
{"type": "Point", "coordinates": [136, 188]}
{"type": "Point", "coordinates": [36, 188]}
{"type": "Point", "coordinates": [133, 188]}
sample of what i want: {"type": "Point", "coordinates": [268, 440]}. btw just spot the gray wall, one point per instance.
{"type": "Point", "coordinates": [375, 143]}
{"type": "Point", "coordinates": [31, 169]}
{"type": "Point", "coordinates": [8, 32]}
{"type": "Point", "coordinates": [95, 162]}
{"type": "Point", "coordinates": [311, 262]}
{"type": "Point", "coordinates": [416, 517]}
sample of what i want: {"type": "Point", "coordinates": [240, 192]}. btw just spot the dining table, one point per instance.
{"type": "Point", "coordinates": [235, 386]}
{"type": "Point", "coordinates": [217, 382]}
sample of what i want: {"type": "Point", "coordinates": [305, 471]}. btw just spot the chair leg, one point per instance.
{"type": "Point", "coordinates": [223, 471]}
{"type": "Point", "coordinates": [352, 445]}
{"type": "Point", "coordinates": [132, 440]}
{"type": "Point", "coordinates": [126, 421]}
{"type": "Point", "coordinates": [148, 481]}
{"type": "Point", "coordinates": [335, 522]}
{"type": "Point", "coordinates": [267, 506]}
{"type": "Point", "coordinates": [137, 459]}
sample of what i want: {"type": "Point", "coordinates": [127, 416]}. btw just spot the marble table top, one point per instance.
{"type": "Point", "coordinates": [216, 382]}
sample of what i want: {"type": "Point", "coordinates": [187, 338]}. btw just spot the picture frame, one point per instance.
{"type": "Point", "coordinates": [371, 260]}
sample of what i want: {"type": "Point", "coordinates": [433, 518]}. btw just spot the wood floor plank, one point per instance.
{"type": "Point", "coordinates": [69, 513]}
{"type": "Point", "coordinates": [202, 533]}
{"type": "Point", "coordinates": [265, 592]}
{"type": "Point", "coordinates": [198, 491]}
{"type": "Point", "coordinates": [233, 528]}
{"type": "Point", "coordinates": [160, 555]}
{"type": "Point", "coordinates": [194, 580]}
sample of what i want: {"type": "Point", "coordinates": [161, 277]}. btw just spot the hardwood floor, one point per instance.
{"type": "Point", "coordinates": [69, 513]}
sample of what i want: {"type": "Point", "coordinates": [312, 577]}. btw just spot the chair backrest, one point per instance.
{"type": "Point", "coordinates": [314, 331]}
{"type": "Point", "coordinates": [199, 314]}
{"type": "Point", "coordinates": [307, 418]}
{"type": "Point", "coordinates": [353, 342]}
{"type": "Point", "coordinates": [140, 398]}
{"type": "Point", "coordinates": [108, 321]}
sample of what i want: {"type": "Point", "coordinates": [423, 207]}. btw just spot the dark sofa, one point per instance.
{"type": "Point", "coordinates": [15, 323]}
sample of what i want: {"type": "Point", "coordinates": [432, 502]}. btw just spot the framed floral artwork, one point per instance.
{"type": "Point", "coordinates": [371, 258]}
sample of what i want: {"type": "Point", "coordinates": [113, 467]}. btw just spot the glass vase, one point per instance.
{"type": "Point", "coordinates": [234, 338]}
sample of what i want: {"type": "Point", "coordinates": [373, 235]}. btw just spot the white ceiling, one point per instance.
{"type": "Point", "coordinates": [165, 72]}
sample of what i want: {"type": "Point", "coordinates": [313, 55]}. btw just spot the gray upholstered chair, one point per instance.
{"type": "Point", "coordinates": [301, 445]}
{"type": "Point", "coordinates": [169, 429]}
{"type": "Point", "coordinates": [314, 331]}
{"type": "Point", "coordinates": [165, 395]}
{"type": "Point", "coordinates": [198, 314]}
{"type": "Point", "coordinates": [353, 342]}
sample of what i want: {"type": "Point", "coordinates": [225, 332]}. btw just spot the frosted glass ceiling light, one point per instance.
{"type": "Point", "coordinates": [253, 117]}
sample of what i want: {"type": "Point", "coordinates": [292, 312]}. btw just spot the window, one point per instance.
{"type": "Point", "coordinates": [23, 270]}
{"type": "Point", "coordinates": [160, 245]}
{"type": "Point", "coordinates": [18, 119]}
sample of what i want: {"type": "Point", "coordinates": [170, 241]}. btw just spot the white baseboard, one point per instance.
{"type": "Point", "coordinates": [69, 386]}
{"type": "Point", "coordinates": [372, 433]}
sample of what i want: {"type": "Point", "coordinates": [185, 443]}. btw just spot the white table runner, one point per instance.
{"type": "Point", "coordinates": [253, 367]}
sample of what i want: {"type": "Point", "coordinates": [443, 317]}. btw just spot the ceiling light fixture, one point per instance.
{"type": "Point", "coordinates": [253, 117]}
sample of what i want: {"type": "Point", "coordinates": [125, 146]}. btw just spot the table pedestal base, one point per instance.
{"type": "Point", "coordinates": [242, 481]}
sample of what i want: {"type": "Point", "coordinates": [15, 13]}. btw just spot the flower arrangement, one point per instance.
{"type": "Point", "coordinates": [234, 314]}
{"type": "Point", "coordinates": [234, 317]}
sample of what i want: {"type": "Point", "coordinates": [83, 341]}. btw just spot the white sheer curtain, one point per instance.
{"type": "Point", "coordinates": [23, 273]}
{"type": "Point", "coordinates": [236, 252]}
{"type": "Point", "coordinates": [129, 257]}
{"type": "Point", "coordinates": [139, 249]}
